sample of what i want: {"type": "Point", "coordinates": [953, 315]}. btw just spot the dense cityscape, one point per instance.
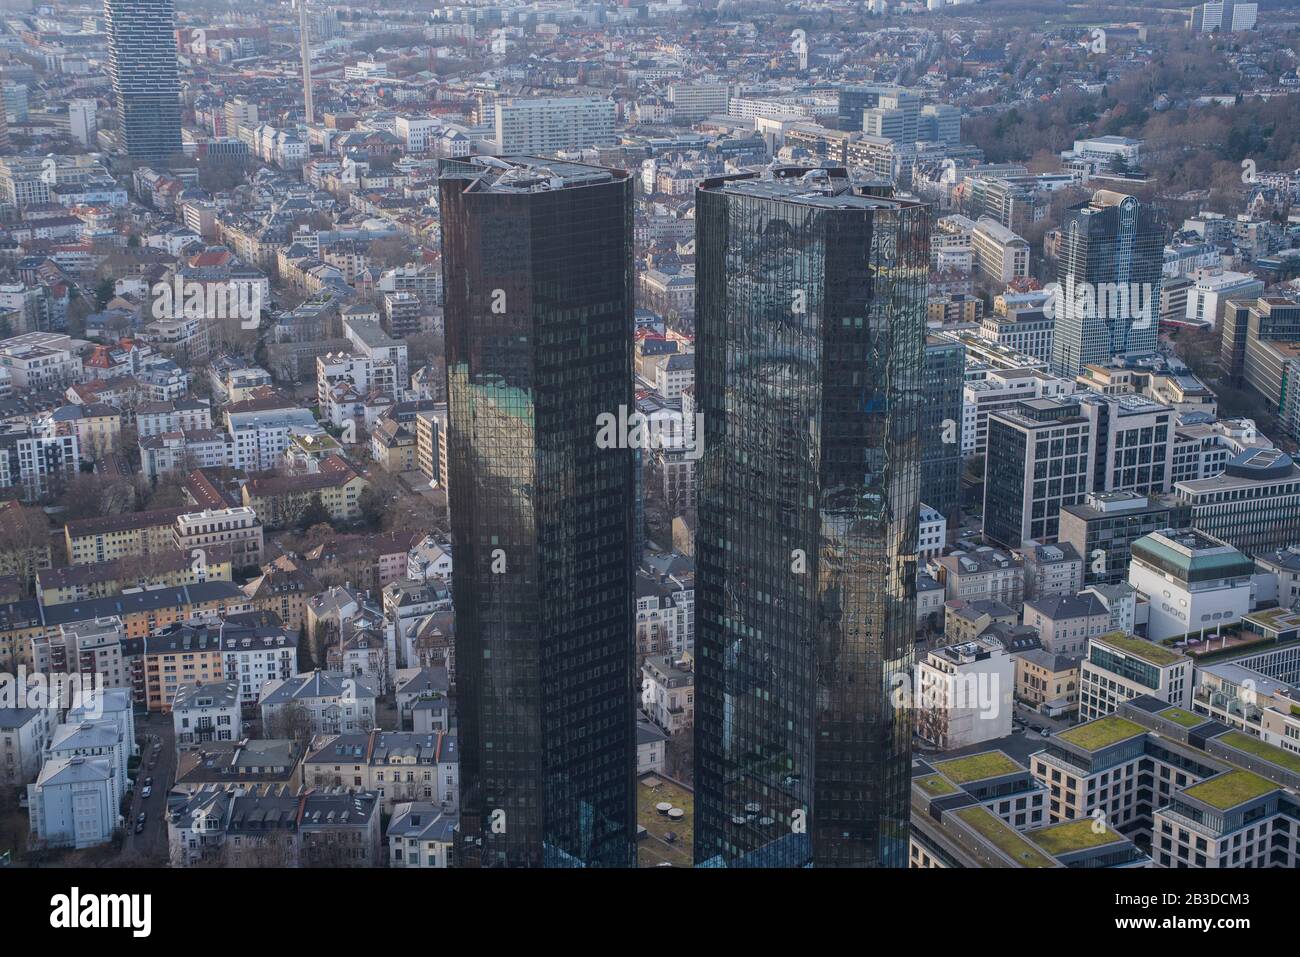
{"type": "Point", "coordinates": [688, 434]}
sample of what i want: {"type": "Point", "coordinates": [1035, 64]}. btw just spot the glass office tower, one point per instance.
{"type": "Point", "coordinates": [944, 373]}
{"type": "Point", "coordinates": [537, 262]}
{"type": "Point", "coordinates": [810, 316]}
{"type": "Point", "coordinates": [142, 65]}
{"type": "Point", "coordinates": [1109, 273]}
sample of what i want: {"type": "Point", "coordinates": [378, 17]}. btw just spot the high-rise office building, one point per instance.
{"type": "Point", "coordinates": [1109, 272]}
{"type": "Point", "coordinates": [142, 65]}
{"type": "Point", "coordinates": [547, 125]}
{"type": "Point", "coordinates": [856, 98]}
{"type": "Point", "coordinates": [811, 336]}
{"type": "Point", "coordinates": [1040, 458]}
{"type": "Point", "coordinates": [537, 263]}
{"type": "Point", "coordinates": [941, 421]}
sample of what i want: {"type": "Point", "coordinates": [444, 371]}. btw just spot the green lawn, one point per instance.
{"type": "Point", "coordinates": [1101, 733]}
{"type": "Point", "coordinates": [935, 785]}
{"type": "Point", "coordinates": [999, 834]}
{"type": "Point", "coordinates": [1259, 749]}
{"type": "Point", "coordinates": [1227, 790]}
{"type": "Point", "coordinates": [1185, 718]}
{"type": "Point", "coordinates": [977, 767]}
{"type": "Point", "coordinates": [1148, 651]}
{"type": "Point", "coordinates": [1071, 836]}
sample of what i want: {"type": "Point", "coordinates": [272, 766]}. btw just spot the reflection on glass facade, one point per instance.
{"type": "Point", "coordinates": [1111, 243]}
{"type": "Point", "coordinates": [537, 262]}
{"type": "Point", "coordinates": [811, 323]}
{"type": "Point", "coordinates": [944, 375]}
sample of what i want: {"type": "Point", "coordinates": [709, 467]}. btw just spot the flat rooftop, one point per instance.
{"type": "Point", "coordinates": [826, 188]}
{"type": "Point", "coordinates": [1003, 837]}
{"type": "Point", "coordinates": [1230, 789]}
{"type": "Point", "coordinates": [1071, 836]}
{"type": "Point", "coordinates": [1262, 750]}
{"type": "Point", "coordinates": [532, 174]}
{"type": "Point", "coordinates": [666, 840]}
{"type": "Point", "coordinates": [977, 767]}
{"type": "Point", "coordinates": [1101, 733]}
{"type": "Point", "coordinates": [1147, 651]}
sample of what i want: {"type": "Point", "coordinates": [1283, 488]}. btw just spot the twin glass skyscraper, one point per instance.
{"type": "Point", "coordinates": [146, 87]}
{"type": "Point", "coordinates": [810, 312]}
{"type": "Point", "coordinates": [811, 322]}
{"type": "Point", "coordinates": [537, 259]}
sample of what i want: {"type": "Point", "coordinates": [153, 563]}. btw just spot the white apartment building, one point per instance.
{"type": "Point", "coordinates": [369, 339]}
{"type": "Point", "coordinates": [695, 101]}
{"type": "Point", "coordinates": [206, 712]}
{"type": "Point", "coordinates": [237, 528]}
{"type": "Point", "coordinates": [1000, 254]}
{"type": "Point", "coordinates": [1002, 389]}
{"type": "Point", "coordinates": [668, 693]}
{"type": "Point", "coordinates": [966, 694]}
{"type": "Point", "coordinates": [360, 371]}
{"type": "Point", "coordinates": [91, 646]}
{"type": "Point", "coordinates": [932, 535]}
{"type": "Point", "coordinates": [541, 127]}
{"type": "Point", "coordinates": [183, 451]}
{"type": "Point", "coordinates": [951, 236]}
{"type": "Point", "coordinates": [418, 133]}
{"type": "Point", "coordinates": [261, 438]}
{"type": "Point", "coordinates": [1208, 297]}
{"type": "Point", "coordinates": [253, 657]}
{"type": "Point", "coordinates": [182, 415]}
{"type": "Point", "coordinates": [102, 739]}
{"type": "Point", "coordinates": [73, 803]}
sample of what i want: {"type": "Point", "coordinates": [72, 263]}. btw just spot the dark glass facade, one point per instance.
{"type": "Point", "coordinates": [811, 323]}
{"type": "Point", "coordinates": [537, 262]}
{"type": "Point", "coordinates": [1111, 239]}
{"type": "Point", "coordinates": [142, 65]}
{"type": "Point", "coordinates": [944, 375]}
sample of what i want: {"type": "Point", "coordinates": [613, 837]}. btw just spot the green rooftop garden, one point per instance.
{"type": "Point", "coordinates": [1259, 749]}
{"type": "Point", "coordinates": [1101, 733]}
{"type": "Point", "coordinates": [1275, 618]}
{"type": "Point", "coordinates": [1226, 791]}
{"type": "Point", "coordinates": [1148, 651]}
{"type": "Point", "coordinates": [935, 785]}
{"type": "Point", "coordinates": [1071, 836]}
{"type": "Point", "coordinates": [1002, 837]}
{"type": "Point", "coordinates": [977, 767]}
{"type": "Point", "coordinates": [1185, 718]}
